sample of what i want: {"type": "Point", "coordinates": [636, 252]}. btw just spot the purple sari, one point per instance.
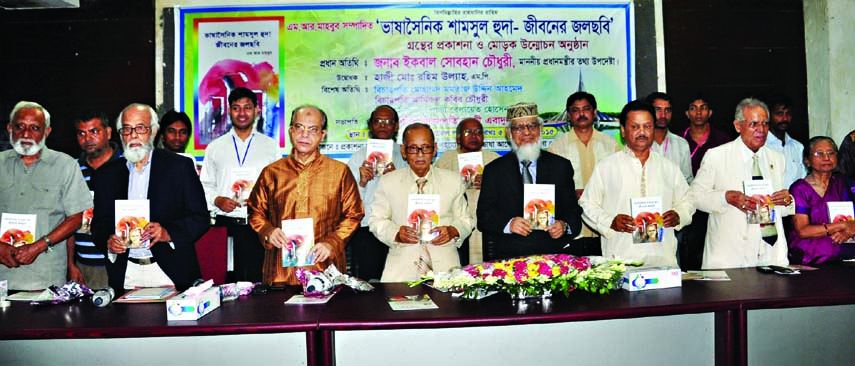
{"type": "Point", "coordinates": [810, 203]}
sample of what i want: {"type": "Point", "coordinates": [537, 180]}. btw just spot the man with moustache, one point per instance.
{"type": "Point", "coordinates": [231, 166]}
{"type": "Point", "coordinates": [718, 189]}
{"type": "Point", "coordinates": [305, 184]}
{"type": "Point", "coordinates": [470, 138]}
{"type": "Point", "coordinates": [779, 140]}
{"type": "Point", "coordinates": [366, 252]}
{"type": "Point", "coordinates": [636, 172]}
{"type": "Point", "coordinates": [584, 146]}
{"type": "Point", "coordinates": [409, 257]}
{"type": "Point", "coordinates": [500, 206]}
{"type": "Point", "coordinates": [666, 143]}
{"type": "Point", "coordinates": [38, 181]}
{"type": "Point", "coordinates": [175, 133]}
{"type": "Point", "coordinates": [85, 262]}
{"type": "Point", "coordinates": [177, 212]}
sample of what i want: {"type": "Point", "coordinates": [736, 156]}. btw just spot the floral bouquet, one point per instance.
{"type": "Point", "coordinates": [538, 275]}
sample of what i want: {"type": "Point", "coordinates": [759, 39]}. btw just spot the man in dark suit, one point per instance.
{"type": "Point", "coordinates": [178, 212]}
{"type": "Point", "coordinates": [501, 206]}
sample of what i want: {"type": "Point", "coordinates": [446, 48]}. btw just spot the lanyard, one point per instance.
{"type": "Point", "coordinates": [706, 136]}
{"type": "Point", "coordinates": [665, 148]}
{"type": "Point", "coordinates": [245, 152]}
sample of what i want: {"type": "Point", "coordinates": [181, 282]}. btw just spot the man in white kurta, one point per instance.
{"type": "Point", "coordinates": [636, 172]}
{"type": "Point", "coordinates": [389, 212]}
{"type": "Point", "coordinates": [718, 189]}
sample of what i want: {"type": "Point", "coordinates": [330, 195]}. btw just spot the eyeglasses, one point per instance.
{"type": "Point", "coordinates": [312, 130]}
{"type": "Point", "coordinates": [140, 130]}
{"type": "Point", "coordinates": [476, 131]}
{"type": "Point", "coordinates": [531, 127]}
{"type": "Point", "coordinates": [93, 132]}
{"type": "Point", "coordinates": [383, 122]}
{"type": "Point", "coordinates": [412, 149]}
{"type": "Point", "coordinates": [820, 154]}
{"type": "Point", "coordinates": [20, 127]}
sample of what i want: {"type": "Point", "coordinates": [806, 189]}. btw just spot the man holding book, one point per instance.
{"type": "Point", "coordinates": [231, 166]}
{"type": "Point", "coordinates": [719, 189]}
{"type": "Point", "coordinates": [470, 141]}
{"type": "Point", "coordinates": [631, 191]}
{"type": "Point", "coordinates": [367, 253]}
{"type": "Point", "coordinates": [420, 212]}
{"type": "Point", "coordinates": [304, 186]}
{"type": "Point", "coordinates": [501, 209]}
{"type": "Point", "coordinates": [40, 182]}
{"type": "Point", "coordinates": [177, 216]}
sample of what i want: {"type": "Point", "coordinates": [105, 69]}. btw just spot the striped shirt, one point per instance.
{"type": "Point", "coordinates": [85, 251]}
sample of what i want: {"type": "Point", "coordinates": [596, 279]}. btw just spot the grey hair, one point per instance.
{"type": "Point", "coordinates": [30, 105]}
{"type": "Point", "coordinates": [154, 124]}
{"type": "Point", "coordinates": [749, 103]}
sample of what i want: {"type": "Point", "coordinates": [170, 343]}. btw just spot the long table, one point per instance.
{"type": "Point", "coordinates": [753, 319]}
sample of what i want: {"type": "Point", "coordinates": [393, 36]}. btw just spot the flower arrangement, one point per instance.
{"type": "Point", "coordinates": [538, 275]}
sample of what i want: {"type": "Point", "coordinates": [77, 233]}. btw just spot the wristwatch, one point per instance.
{"type": "Point", "coordinates": [49, 243]}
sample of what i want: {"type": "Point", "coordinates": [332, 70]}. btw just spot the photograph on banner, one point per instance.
{"type": "Point", "coordinates": [434, 63]}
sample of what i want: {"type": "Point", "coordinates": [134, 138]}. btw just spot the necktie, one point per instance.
{"type": "Point", "coordinates": [425, 264]}
{"type": "Point", "coordinates": [768, 231]}
{"type": "Point", "coordinates": [526, 174]}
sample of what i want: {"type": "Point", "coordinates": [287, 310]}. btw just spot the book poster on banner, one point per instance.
{"type": "Point", "coordinates": [17, 229]}
{"type": "Point", "coordinates": [647, 215]}
{"type": "Point", "coordinates": [471, 167]}
{"type": "Point", "coordinates": [132, 216]}
{"type": "Point", "coordinates": [539, 207]}
{"type": "Point", "coordinates": [243, 179]}
{"type": "Point", "coordinates": [424, 215]}
{"type": "Point", "coordinates": [840, 212]}
{"type": "Point", "coordinates": [300, 234]}
{"type": "Point", "coordinates": [379, 154]}
{"type": "Point", "coordinates": [761, 208]}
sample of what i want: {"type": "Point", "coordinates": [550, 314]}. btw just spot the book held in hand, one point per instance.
{"type": "Point", "coordinates": [424, 215]}
{"type": "Point", "coordinates": [647, 215]}
{"type": "Point", "coordinates": [379, 154]}
{"type": "Point", "coordinates": [243, 179]}
{"type": "Point", "coordinates": [86, 220]}
{"type": "Point", "coordinates": [132, 216]}
{"type": "Point", "coordinates": [539, 205]}
{"type": "Point", "coordinates": [300, 234]}
{"type": "Point", "coordinates": [17, 229]}
{"type": "Point", "coordinates": [841, 211]}
{"type": "Point", "coordinates": [762, 209]}
{"type": "Point", "coordinates": [471, 167]}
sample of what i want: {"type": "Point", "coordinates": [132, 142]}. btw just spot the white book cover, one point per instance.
{"type": "Point", "coordinates": [300, 234]}
{"type": "Point", "coordinates": [647, 213]}
{"type": "Point", "coordinates": [86, 220]}
{"type": "Point", "coordinates": [539, 205]}
{"type": "Point", "coordinates": [423, 214]}
{"type": "Point", "coordinates": [471, 167]}
{"type": "Point", "coordinates": [760, 191]}
{"type": "Point", "coordinates": [132, 216]}
{"type": "Point", "coordinates": [841, 211]}
{"type": "Point", "coordinates": [242, 180]}
{"type": "Point", "coordinates": [379, 154]}
{"type": "Point", "coordinates": [17, 229]}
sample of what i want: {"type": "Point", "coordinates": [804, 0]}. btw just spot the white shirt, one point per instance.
{"type": "Point", "coordinates": [617, 179]}
{"type": "Point", "coordinates": [367, 192]}
{"type": "Point", "coordinates": [676, 149]}
{"type": "Point", "coordinates": [792, 150]}
{"type": "Point", "coordinates": [227, 152]}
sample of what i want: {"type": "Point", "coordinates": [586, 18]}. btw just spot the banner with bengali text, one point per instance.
{"type": "Point", "coordinates": [435, 63]}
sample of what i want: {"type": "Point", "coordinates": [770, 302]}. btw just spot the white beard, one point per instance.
{"type": "Point", "coordinates": [136, 154]}
{"type": "Point", "coordinates": [27, 150]}
{"type": "Point", "coordinates": [528, 152]}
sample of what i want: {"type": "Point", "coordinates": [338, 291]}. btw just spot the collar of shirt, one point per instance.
{"type": "Point", "coordinates": [748, 157]}
{"type": "Point", "coordinates": [428, 184]}
{"type": "Point", "coordinates": [138, 181]}
{"type": "Point", "coordinates": [238, 139]}
{"type": "Point", "coordinates": [531, 168]}
{"type": "Point", "coordinates": [772, 139]}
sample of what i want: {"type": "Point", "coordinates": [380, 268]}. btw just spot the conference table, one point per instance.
{"type": "Point", "coordinates": [754, 318]}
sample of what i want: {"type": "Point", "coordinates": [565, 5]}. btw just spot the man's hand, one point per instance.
{"type": "Point", "coordinates": [670, 218]}
{"type": "Point", "coordinates": [623, 224]}
{"type": "Point", "coordinates": [27, 254]}
{"type": "Point", "coordinates": [277, 238]}
{"type": "Point", "coordinates": [407, 235]}
{"type": "Point", "coordinates": [366, 173]}
{"type": "Point", "coordinates": [226, 204]}
{"type": "Point", "coordinates": [157, 234]}
{"type": "Point", "coordinates": [476, 183]}
{"type": "Point", "coordinates": [116, 245]}
{"type": "Point", "coordinates": [444, 234]}
{"type": "Point", "coordinates": [520, 226]}
{"type": "Point", "coordinates": [781, 198]}
{"type": "Point", "coordinates": [74, 273]}
{"type": "Point", "coordinates": [740, 201]}
{"type": "Point", "coordinates": [321, 252]}
{"type": "Point", "coordinates": [7, 256]}
{"type": "Point", "coordinates": [557, 229]}
{"type": "Point", "coordinates": [390, 167]}
{"type": "Point", "coordinates": [579, 193]}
